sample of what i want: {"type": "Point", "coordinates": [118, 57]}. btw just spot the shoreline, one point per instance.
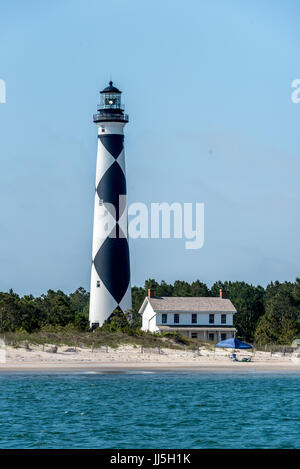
{"type": "Point", "coordinates": [151, 367]}
{"type": "Point", "coordinates": [129, 359]}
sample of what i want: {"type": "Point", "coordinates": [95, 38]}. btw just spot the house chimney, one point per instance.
{"type": "Point", "coordinates": [151, 292]}
{"type": "Point", "coordinates": [222, 293]}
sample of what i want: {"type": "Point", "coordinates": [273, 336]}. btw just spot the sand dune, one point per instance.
{"type": "Point", "coordinates": [131, 357]}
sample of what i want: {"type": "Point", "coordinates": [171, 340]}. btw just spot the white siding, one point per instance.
{"type": "Point", "coordinates": [149, 319]}
{"type": "Point", "coordinates": [186, 319]}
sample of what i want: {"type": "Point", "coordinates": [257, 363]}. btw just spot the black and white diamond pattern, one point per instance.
{"type": "Point", "coordinates": [110, 279]}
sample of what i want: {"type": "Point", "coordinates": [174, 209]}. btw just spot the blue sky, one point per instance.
{"type": "Point", "coordinates": [207, 85]}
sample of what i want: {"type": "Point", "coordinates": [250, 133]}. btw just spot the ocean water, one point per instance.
{"type": "Point", "coordinates": [150, 410]}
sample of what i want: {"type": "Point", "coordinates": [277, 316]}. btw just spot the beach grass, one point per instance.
{"type": "Point", "coordinates": [71, 337]}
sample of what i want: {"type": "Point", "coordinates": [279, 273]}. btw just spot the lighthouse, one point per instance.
{"type": "Point", "coordinates": [110, 275]}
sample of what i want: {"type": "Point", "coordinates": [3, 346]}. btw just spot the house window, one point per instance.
{"type": "Point", "coordinates": [176, 318]}
{"type": "Point", "coordinates": [211, 337]}
{"type": "Point", "coordinates": [194, 318]}
{"type": "Point", "coordinates": [194, 335]}
{"type": "Point", "coordinates": [223, 336]}
{"type": "Point", "coordinates": [98, 283]}
{"type": "Point", "coordinates": [223, 318]}
{"type": "Point", "coordinates": [164, 318]}
{"type": "Point", "coordinates": [211, 319]}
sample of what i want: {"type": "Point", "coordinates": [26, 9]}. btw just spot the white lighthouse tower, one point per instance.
{"type": "Point", "coordinates": [110, 276]}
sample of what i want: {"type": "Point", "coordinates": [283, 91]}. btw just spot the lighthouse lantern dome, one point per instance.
{"type": "Point", "coordinates": [110, 97]}
{"type": "Point", "coordinates": [110, 108]}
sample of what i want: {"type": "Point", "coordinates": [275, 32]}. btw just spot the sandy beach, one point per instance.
{"type": "Point", "coordinates": [127, 357]}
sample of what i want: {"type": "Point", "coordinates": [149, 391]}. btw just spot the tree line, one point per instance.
{"type": "Point", "coordinates": [268, 315]}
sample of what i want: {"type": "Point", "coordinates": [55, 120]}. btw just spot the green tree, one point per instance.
{"type": "Point", "coordinates": [56, 308]}
{"type": "Point", "coordinates": [160, 289]}
{"type": "Point", "coordinates": [182, 288]}
{"type": "Point", "coordinates": [10, 317]}
{"type": "Point", "coordinates": [81, 322]}
{"type": "Point", "coordinates": [116, 322]}
{"type": "Point", "coordinates": [79, 301]}
{"type": "Point", "coordinates": [296, 292]}
{"type": "Point", "coordinates": [199, 289]}
{"type": "Point", "coordinates": [134, 319]}
{"type": "Point", "coordinates": [138, 296]}
{"type": "Point", "coordinates": [249, 303]}
{"type": "Point", "coordinates": [280, 323]}
{"type": "Point", "coordinates": [31, 316]}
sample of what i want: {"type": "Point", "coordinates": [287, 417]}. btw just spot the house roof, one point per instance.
{"type": "Point", "coordinates": [191, 304]}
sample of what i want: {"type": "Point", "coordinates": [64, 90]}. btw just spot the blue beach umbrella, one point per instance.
{"type": "Point", "coordinates": [233, 343]}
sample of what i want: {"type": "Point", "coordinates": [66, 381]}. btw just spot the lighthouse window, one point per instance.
{"type": "Point", "coordinates": [110, 101]}
{"type": "Point", "coordinates": [102, 129]}
{"type": "Point", "coordinates": [98, 283]}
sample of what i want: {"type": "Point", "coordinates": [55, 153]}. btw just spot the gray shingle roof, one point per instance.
{"type": "Point", "coordinates": [188, 304]}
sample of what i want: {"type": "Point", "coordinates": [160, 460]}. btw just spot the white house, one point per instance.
{"type": "Point", "coordinates": [206, 318]}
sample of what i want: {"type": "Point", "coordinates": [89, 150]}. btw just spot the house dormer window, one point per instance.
{"type": "Point", "coordinates": [211, 319]}
{"type": "Point", "coordinates": [194, 318]}
{"type": "Point", "coordinates": [176, 318]}
{"type": "Point", "coordinates": [164, 318]}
